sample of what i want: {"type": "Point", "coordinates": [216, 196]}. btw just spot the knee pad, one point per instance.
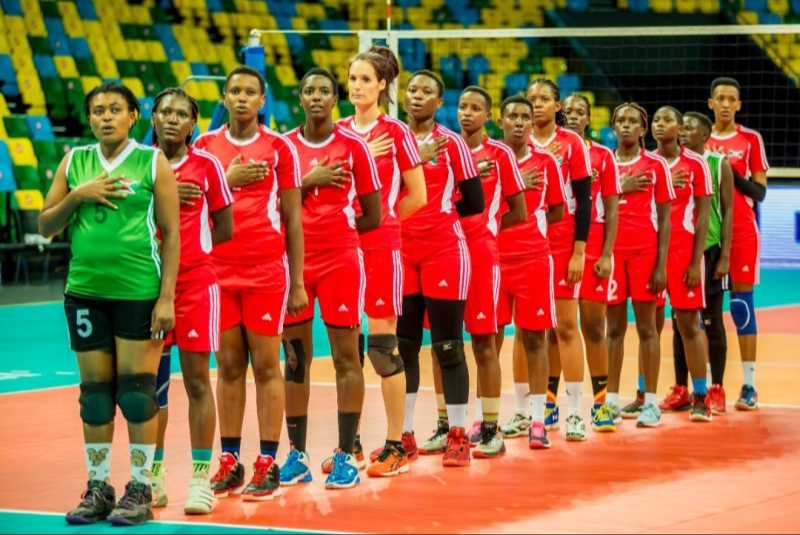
{"type": "Point", "coordinates": [381, 353]}
{"type": "Point", "coordinates": [450, 353]}
{"type": "Point", "coordinates": [162, 379]}
{"type": "Point", "coordinates": [295, 347]}
{"type": "Point", "coordinates": [361, 348]}
{"type": "Point", "coordinates": [743, 313]}
{"type": "Point", "coordinates": [97, 403]}
{"type": "Point", "coordinates": [409, 349]}
{"type": "Point", "coordinates": [136, 397]}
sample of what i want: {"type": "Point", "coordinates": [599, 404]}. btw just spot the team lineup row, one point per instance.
{"type": "Point", "coordinates": [224, 246]}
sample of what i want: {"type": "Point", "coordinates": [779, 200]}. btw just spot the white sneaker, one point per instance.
{"type": "Point", "coordinates": [158, 487]}
{"type": "Point", "coordinates": [576, 429]}
{"type": "Point", "coordinates": [517, 426]}
{"type": "Point", "coordinates": [201, 498]}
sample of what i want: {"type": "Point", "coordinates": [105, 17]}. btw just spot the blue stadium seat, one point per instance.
{"type": "Point", "coordinates": [568, 83]}
{"type": "Point", "coordinates": [80, 48]}
{"type": "Point", "coordinates": [12, 7]}
{"type": "Point", "coordinates": [407, 3]}
{"type": "Point", "coordinates": [59, 44]}
{"type": "Point", "coordinates": [7, 182]}
{"type": "Point", "coordinates": [333, 24]}
{"type": "Point", "coordinates": [40, 127]}
{"type": "Point", "coordinates": [411, 60]}
{"type": "Point", "coordinates": [5, 156]}
{"type": "Point", "coordinates": [284, 23]}
{"type": "Point", "coordinates": [86, 10]}
{"type": "Point", "coordinates": [769, 18]}
{"type": "Point", "coordinates": [280, 9]}
{"type": "Point", "coordinates": [530, 41]}
{"type": "Point", "coordinates": [476, 66]}
{"type": "Point", "coordinates": [639, 6]}
{"type": "Point", "coordinates": [607, 137]}
{"type": "Point", "coordinates": [759, 6]}
{"type": "Point", "coordinates": [452, 67]}
{"type": "Point", "coordinates": [578, 5]}
{"type": "Point", "coordinates": [516, 83]}
{"type": "Point", "coordinates": [54, 26]}
{"type": "Point", "coordinates": [146, 104]}
{"type": "Point", "coordinates": [451, 97]}
{"type": "Point", "coordinates": [295, 42]}
{"type": "Point", "coordinates": [45, 66]}
{"type": "Point", "coordinates": [467, 16]}
{"type": "Point", "coordinates": [281, 111]}
{"type": "Point", "coordinates": [7, 73]}
{"type": "Point", "coordinates": [214, 6]}
{"type": "Point", "coordinates": [10, 89]}
{"type": "Point", "coordinates": [199, 69]}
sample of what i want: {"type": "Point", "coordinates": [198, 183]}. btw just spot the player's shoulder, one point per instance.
{"type": "Point", "coordinates": [748, 133]}
{"type": "Point", "coordinates": [599, 148]}
{"type": "Point", "coordinates": [498, 147]}
{"type": "Point", "coordinates": [204, 157]}
{"type": "Point", "coordinates": [393, 125]}
{"type": "Point", "coordinates": [565, 134]}
{"type": "Point", "coordinates": [293, 135]}
{"type": "Point", "coordinates": [542, 154]}
{"type": "Point", "coordinates": [211, 135]}
{"type": "Point", "coordinates": [345, 135]}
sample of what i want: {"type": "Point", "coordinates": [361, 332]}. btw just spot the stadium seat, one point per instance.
{"type": "Point", "coordinates": [26, 176]}
{"type": "Point", "coordinates": [16, 126]}
{"type": "Point", "coordinates": [7, 182]}
{"type": "Point", "coordinates": [21, 151]}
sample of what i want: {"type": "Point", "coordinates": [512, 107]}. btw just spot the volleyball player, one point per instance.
{"type": "Point", "coordinates": [115, 196]}
{"type": "Point", "coordinates": [260, 274]}
{"type": "Point", "coordinates": [744, 149]}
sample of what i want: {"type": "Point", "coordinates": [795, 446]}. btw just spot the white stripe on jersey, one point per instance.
{"type": "Point", "coordinates": [760, 140]}
{"type": "Point", "coordinates": [376, 182]}
{"type": "Point", "coordinates": [223, 184]}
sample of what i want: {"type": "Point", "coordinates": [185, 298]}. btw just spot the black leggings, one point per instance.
{"type": "Point", "coordinates": [717, 342]}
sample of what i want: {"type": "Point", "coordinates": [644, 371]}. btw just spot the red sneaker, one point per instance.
{"type": "Point", "coordinates": [716, 400]}
{"type": "Point", "coordinates": [457, 452]}
{"type": "Point", "coordinates": [410, 445]}
{"type": "Point", "coordinates": [677, 400]}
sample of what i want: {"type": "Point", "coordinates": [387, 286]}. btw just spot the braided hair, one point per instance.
{"type": "Point", "coordinates": [178, 92]}
{"type": "Point", "coordinates": [561, 119]}
{"type": "Point", "coordinates": [642, 117]}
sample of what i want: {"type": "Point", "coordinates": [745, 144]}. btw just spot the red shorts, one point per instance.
{"type": "Point", "coordinates": [254, 296]}
{"type": "Point", "coordinates": [480, 314]}
{"type": "Point", "coordinates": [526, 290]}
{"type": "Point", "coordinates": [631, 276]}
{"type": "Point", "coordinates": [197, 318]}
{"type": "Point", "coordinates": [680, 296]}
{"type": "Point", "coordinates": [384, 295]}
{"type": "Point", "coordinates": [335, 277]}
{"type": "Point", "coordinates": [436, 272]}
{"type": "Point", "coordinates": [593, 288]}
{"type": "Point", "coordinates": [746, 256]}
{"type": "Point", "coordinates": [563, 289]}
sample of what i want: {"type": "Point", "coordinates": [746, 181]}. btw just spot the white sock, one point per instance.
{"type": "Point", "coordinates": [650, 397]}
{"type": "Point", "coordinates": [142, 456]}
{"type": "Point", "coordinates": [708, 375]}
{"type": "Point", "coordinates": [478, 410]}
{"type": "Point", "coordinates": [457, 415]}
{"type": "Point", "coordinates": [749, 373]}
{"type": "Point", "coordinates": [98, 460]}
{"type": "Point", "coordinates": [612, 398]}
{"type": "Point", "coordinates": [537, 407]}
{"type": "Point", "coordinates": [408, 419]}
{"type": "Point", "coordinates": [574, 391]}
{"type": "Point", "coordinates": [522, 393]}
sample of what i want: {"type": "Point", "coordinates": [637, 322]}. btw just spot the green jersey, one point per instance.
{"type": "Point", "coordinates": [715, 221]}
{"type": "Point", "coordinates": [115, 253]}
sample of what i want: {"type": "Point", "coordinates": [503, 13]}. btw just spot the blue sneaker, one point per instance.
{"type": "Point", "coordinates": [296, 469]}
{"type": "Point", "coordinates": [748, 399]}
{"type": "Point", "coordinates": [650, 416]}
{"type": "Point", "coordinates": [551, 416]}
{"type": "Point", "coordinates": [603, 419]}
{"type": "Point", "coordinates": [345, 472]}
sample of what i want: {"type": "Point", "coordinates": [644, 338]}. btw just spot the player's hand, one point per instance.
{"type": "Point", "coordinates": [328, 175]}
{"type": "Point", "coordinates": [692, 276]}
{"type": "Point", "coordinates": [658, 281]}
{"type": "Point", "coordinates": [532, 178]}
{"type": "Point", "coordinates": [379, 146]}
{"type": "Point", "coordinates": [103, 188]}
{"type": "Point", "coordinates": [188, 193]}
{"type": "Point", "coordinates": [432, 149]}
{"type": "Point", "coordinates": [163, 317]}
{"type": "Point", "coordinates": [631, 183]}
{"type": "Point", "coordinates": [713, 147]}
{"type": "Point", "coordinates": [722, 268]}
{"type": "Point", "coordinates": [243, 174]}
{"type": "Point", "coordinates": [484, 166]}
{"type": "Point", "coordinates": [554, 147]}
{"type": "Point", "coordinates": [575, 269]}
{"type": "Point", "coordinates": [679, 178]}
{"type": "Point", "coordinates": [595, 174]}
{"type": "Point", "coordinates": [602, 268]}
{"type": "Point", "coordinates": [298, 300]}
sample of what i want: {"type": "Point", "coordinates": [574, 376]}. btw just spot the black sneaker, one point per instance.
{"type": "Point", "coordinates": [135, 506]}
{"type": "Point", "coordinates": [229, 479]}
{"type": "Point", "coordinates": [491, 442]}
{"type": "Point", "coordinates": [265, 484]}
{"type": "Point", "coordinates": [96, 503]}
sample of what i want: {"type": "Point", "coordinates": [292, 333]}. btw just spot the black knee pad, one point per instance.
{"type": "Point", "coordinates": [409, 349]}
{"type": "Point", "coordinates": [295, 347]}
{"type": "Point", "coordinates": [361, 349]}
{"type": "Point", "coordinates": [97, 403]}
{"type": "Point", "coordinates": [450, 353]}
{"type": "Point", "coordinates": [386, 362]}
{"type": "Point", "coordinates": [136, 397]}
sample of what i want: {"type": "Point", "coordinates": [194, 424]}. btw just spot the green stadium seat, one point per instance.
{"type": "Point", "coordinates": [16, 126]}
{"type": "Point", "coordinates": [46, 151]}
{"type": "Point", "coordinates": [27, 177]}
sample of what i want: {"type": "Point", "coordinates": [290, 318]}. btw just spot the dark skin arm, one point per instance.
{"type": "Point", "coordinates": [555, 213]}
{"type": "Point", "coordinates": [168, 219]}
{"type": "Point", "coordinates": [658, 280]}
{"type": "Point", "coordinates": [694, 273]}
{"type": "Point", "coordinates": [223, 225]}
{"type": "Point", "coordinates": [371, 212]}
{"type": "Point", "coordinates": [291, 207]}
{"type": "Point", "coordinates": [517, 211]}
{"type": "Point", "coordinates": [726, 207]}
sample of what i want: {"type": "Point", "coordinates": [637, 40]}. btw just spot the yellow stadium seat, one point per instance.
{"type": "Point", "coordinates": [286, 75]}
{"type": "Point", "coordinates": [780, 7]}
{"type": "Point", "coordinates": [553, 67]}
{"type": "Point", "coordinates": [203, 124]}
{"type": "Point", "coordinates": [141, 15]}
{"type": "Point", "coordinates": [73, 26]}
{"type": "Point", "coordinates": [98, 46]}
{"type": "Point", "coordinates": [794, 50]}
{"type": "Point", "coordinates": [227, 57]}
{"type": "Point", "coordinates": [15, 24]}
{"type": "Point", "coordinates": [5, 47]}
{"type": "Point", "coordinates": [193, 89]}
{"type": "Point", "coordinates": [67, 8]}
{"type": "Point", "coordinates": [90, 82]}
{"type": "Point", "coordinates": [119, 50]}
{"type": "Point", "coordinates": [747, 18]}
{"type": "Point", "coordinates": [105, 10]}
{"type": "Point", "coordinates": [661, 6]}
{"type": "Point", "coordinates": [182, 32]}
{"type": "Point", "coordinates": [94, 29]}
{"type": "Point", "coordinates": [135, 85]}
{"type": "Point", "coordinates": [35, 24]}
{"type": "Point", "coordinates": [781, 50]}
{"type": "Point", "coordinates": [29, 80]}
{"type": "Point", "coordinates": [708, 7]}
{"type": "Point", "coordinates": [242, 6]}
{"type": "Point", "coordinates": [311, 11]}
{"type": "Point", "coordinates": [123, 12]}
{"type": "Point", "coordinates": [31, 6]}
{"type": "Point", "coordinates": [601, 116]}
{"type": "Point", "coordinates": [686, 6]}
{"type": "Point", "coordinates": [208, 52]}
{"type": "Point", "coordinates": [65, 66]}
{"type": "Point", "coordinates": [341, 42]}
{"type": "Point", "coordinates": [589, 95]}
{"type": "Point", "coordinates": [259, 8]}
{"type": "Point", "coordinates": [156, 51]}
{"type": "Point", "coordinates": [106, 66]}
{"type": "Point", "coordinates": [221, 20]}
{"type": "Point", "coordinates": [299, 23]}
{"type": "Point", "coordinates": [18, 41]}
{"type": "Point", "coordinates": [181, 69]}
{"type": "Point", "coordinates": [210, 90]}
{"type": "Point", "coordinates": [35, 99]}
{"type": "Point", "coordinates": [138, 50]}
{"type": "Point", "coordinates": [21, 150]}
{"type": "Point", "coordinates": [268, 22]}
{"type": "Point", "coordinates": [4, 111]}
{"type": "Point", "coordinates": [22, 61]}
{"type": "Point", "coordinates": [3, 133]}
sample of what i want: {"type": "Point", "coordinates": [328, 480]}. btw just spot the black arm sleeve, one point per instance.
{"type": "Point", "coordinates": [472, 201]}
{"type": "Point", "coordinates": [754, 190]}
{"type": "Point", "coordinates": [582, 190]}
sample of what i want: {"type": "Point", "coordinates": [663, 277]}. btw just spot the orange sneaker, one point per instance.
{"type": "Point", "coordinates": [457, 452]}
{"type": "Point", "coordinates": [716, 400]}
{"type": "Point", "coordinates": [390, 462]}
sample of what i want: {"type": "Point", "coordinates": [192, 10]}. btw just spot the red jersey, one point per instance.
{"type": "Point", "coordinates": [698, 184]}
{"type": "Point", "coordinates": [573, 159]}
{"type": "Point", "coordinates": [441, 175]}
{"type": "Point", "coordinates": [204, 171]}
{"type": "Point", "coordinates": [529, 239]}
{"type": "Point", "coordinates": [258, 234]}
{"type": "Point", "coordinates": [403, 156]}
{"type": "Point", "coordinates": [638, 219]}
{"type": "Point", "coordinates": [329, 213]}
{"type": "Point", "coordinates": [501, 182]}
{"type": "Point", "coordinates": [745, 150]}
{"type": "Point", "coordinates": [605, 183]}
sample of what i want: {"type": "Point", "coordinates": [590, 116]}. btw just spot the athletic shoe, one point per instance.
{"type": "Point", "coordinates": [158, 487]}
{"type": "Point", "coordinates": [551, 416]}
{"type": "Point", "coordinates": [516, 426]}
{"type": "Point", "coordinates": [135, 506]}
{"type": "Point", "coordinates": [344, 473]}
{"type": "Point", "coordinates": [676, 400]}
{"type": "Point", "coordinates": [229, 479]}
{"type": "Point", "coordinates": [603, 419]}
{"type": "Point", "coordinates": [457, 452]}
{"type": "Point", "coordinates": [748, 399]}
{"type": "Point", "coordinates": [650, 416]}
{"type": "Point", "coordinates": [491, 443]}
{"type": "Point", "coordinates": [576, 429]}
{"type": "Point", "coordinates": [716, 400]}
{"type": "Point", "coordinates": [358, 454]}
{"type": "Point", "coordinates": [200, 500]}
{"type": "Point", "coordinates": [537, 437]}
{"type": "Point", "coordinates": [296, 469]}
{"type": "Point", "coordinates": [701, 412]}
{"type": "Point", "coordinates": [438, 442]}
{"type": "Point", "coordinates": [266, 482]}
{"type": "Point", "coordinates": [410, 445]}
{"type": "Point", "coordinates": [390, 462]}
{"type": "Point", "coordinates": [97, 501]}
{"type": "Point", "coordinates": [633, 410]}
{"type": "Point", "coordinates": [614, 412]}
{"type": "Point", "coordinates": [474, 433]}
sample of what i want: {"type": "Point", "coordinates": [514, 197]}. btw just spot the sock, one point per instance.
{"type": "Point", "coordinates": [641, 383]}
{"type": "Point", "coordinates": [522, 394]}
{"type": "Point", "coordinates": [157, 460]}
{"type": "Point", "coordinates": [269, 448]}
{"type": "Point", "coordinates": [478, 410]}
{"type": "Point", "coordinates": [749, 373]}
{"type": "Point", "coordinates": [408, 418]}
{"type": "Point", "coordinates": [650, 397]}
{"type": "Point", "coordinates": [537, 407]}
{"type": "Point", "coordinates": [709, 380]}
{"type": "Point", "coordinates": [348, 428]}
{"type": "Point", "coordinates": [201, 460]}
{"type": "Point", "coordinates": [441, 408]}
{"type": "Point", "coordinates": [231, 445]}
{"type": "Point", "coordinates": [612, 398]}
{"type": "Point", "coordinates": [491, 412]}
{"type": "Point", "coordinates": [599, 388]}
{"type": "Point", "coordinates": [398, 445]}
{"type": "Point", "coordinates": [98, 460]}
{"type": "Point", "coordinates": [457, 415]}
{"type": "Point", "coordinates": [552, 389]}
{"type": "Point", "coordinates": [297, 427]}
{"type": "Point", "coordinates": [358, 438]}
{"type": "Point", "coordinates": [142, 456]}
{"type": "Point", "coordinates": [700, 386]}
{"type": "Point", "coordinates": [574, 391]}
